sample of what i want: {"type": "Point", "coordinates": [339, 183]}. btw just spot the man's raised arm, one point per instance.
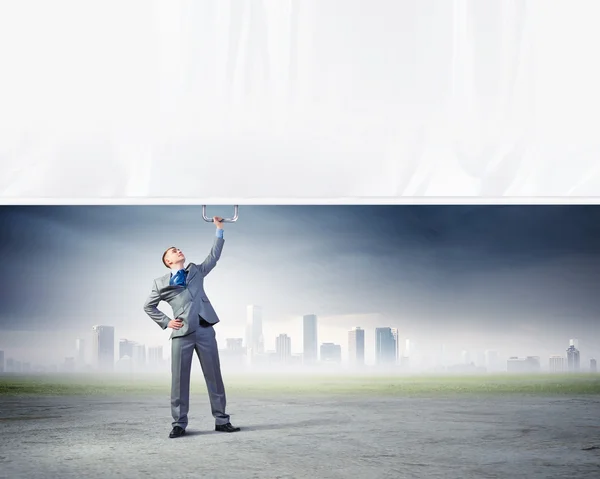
{"type": "Point", "coordinates": [215, 252]}
{"type": "Point", "coordinates": [150, 306]}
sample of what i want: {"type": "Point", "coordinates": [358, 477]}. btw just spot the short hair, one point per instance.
{"type": "Point", "coordinates": [165, 254]}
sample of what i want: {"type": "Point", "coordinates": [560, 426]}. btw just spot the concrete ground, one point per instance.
{"type": "Point", "coordinates": [331, 437]}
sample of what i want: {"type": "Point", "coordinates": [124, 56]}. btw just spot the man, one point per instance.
{"type": "Point", "coordinates": [194, 318]}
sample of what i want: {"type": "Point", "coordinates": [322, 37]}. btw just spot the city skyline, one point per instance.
{"type": "Point", "coordinates": [130, 356]}
{"type": "Point", "coordinates": [516, 278]}
{"type": "Point", "coordinates": [403, 347]}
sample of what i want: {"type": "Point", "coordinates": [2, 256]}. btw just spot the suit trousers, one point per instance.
{"type": "Point", "coordinates": [204, 342]}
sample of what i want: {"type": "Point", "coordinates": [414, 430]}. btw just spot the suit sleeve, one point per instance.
{"type": "Point", "coordinates": [215, 253]}
{"type": "Point", "coordinates": [150, 306]}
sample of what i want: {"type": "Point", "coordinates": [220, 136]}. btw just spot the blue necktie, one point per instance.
{"type": "Point", "coordinates": [178, 279]}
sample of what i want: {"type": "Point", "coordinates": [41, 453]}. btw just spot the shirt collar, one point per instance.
{"type": "Point", "coordinates": [175, 271]}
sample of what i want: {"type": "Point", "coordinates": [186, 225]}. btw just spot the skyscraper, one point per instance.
{"type": "Point", "coordinates": [593, 366]}
{"type": "Point", "coordinates": [385, 346]}
{"type": "Point", "coordinates": [310, 346]}
{"type": "Point", "coordinates": [283, 348]}
{"type": "Point", "coordinates": [234, 352]}
{"type": "Point", "coordinates": [155, 355]}
{"type": "Point", "coordinates": [557, 364]}
{"type": "Point", "coordinates": [139, 355]}
{"type": "Point", "coordinates": [405, 356]}
{"type": "Point", "coordinates": [356, 346]}
{"type": "Point", "coordinates": [254, 330]}
{"type": "Point", "coordinates": [573, 358]}
{"type": "Point", "coordinates": [395, 334]}
{"type": "Point", "coordinates": [1, 361]}
{"type": "Point", "coordinates": [331, 353]}
{"type": "Point", "coordinates": [80, 351]}
{"type": "Point", "coordinates": [103, 347]}
{"type": "Point", "coordinates": [125, 348]}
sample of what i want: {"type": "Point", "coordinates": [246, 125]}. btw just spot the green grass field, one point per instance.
{"type": "Point", "coordinates": [269, 385]}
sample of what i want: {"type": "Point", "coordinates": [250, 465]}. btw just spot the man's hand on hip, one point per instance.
{"type": "Point", "coordinates": [218, 222]}
{"type": "Point", "coordinates": [175, 324]}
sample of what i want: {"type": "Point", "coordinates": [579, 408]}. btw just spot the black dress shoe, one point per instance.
{"type": "Point", "coordinates": [226, 428]}
{"type": "Point", "coordinates": [177, 431]}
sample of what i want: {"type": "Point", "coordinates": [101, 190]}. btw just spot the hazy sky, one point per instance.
{"type": "Point", "coordinates": [522, 279]}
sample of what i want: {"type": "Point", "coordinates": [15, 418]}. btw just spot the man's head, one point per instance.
{"type": "Point", "coordinates": [173, 256]}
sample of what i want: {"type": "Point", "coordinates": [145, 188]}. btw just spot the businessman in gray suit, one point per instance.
{"type": "Point", "coordinates": [193, 329]}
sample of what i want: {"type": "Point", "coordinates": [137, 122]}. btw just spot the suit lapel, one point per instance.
{"type": "Point", "coordinates": [170, 291]}
{"type": "Point", "coordinates": [191, 272]}
{"type": "Point", "coordinates": [166, 280]}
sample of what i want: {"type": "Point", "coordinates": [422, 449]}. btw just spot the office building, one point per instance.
{"type": "Point", "coordinates": [80, 351]}
{"type": "Point", "coordinates": [310, 345]}
{"type": "Point", "coordinates": [356, 346]}
{"type": "Point", "coordinates": [139, 355]}
{"type": "Point", "coordinates": [530, 364]}
{"type": "Point", "coordinates": [235, 345]}
{"type": "Point", "coordinates": [2, 362]}
{"type": "Point", "coordinates": [534, 363]}
{"type": "Point", "coordinates": [125, 348]}
{"type": "Point", "coordinates": [155, 355]}
{"type": "Point", "coordinates": [385, 346]}
{"type": "Point", "coordinates": [395, 334]}
{"type": "Point", "coordinates": [404, 360]}
{"type": "Point", "coordinates": [572, 358]}
{"type": "Point", "coordinates": [254, 330]}
{"type": "Point", "coordinates": [593, 366]}
{"type": "Point", "coordinates": [103, 347]}
{"type": "Point", "coordinates": [234, 352]}
{"type": "Point", "coordinates": [283, 348]}
{"type": "Point", "coordinates": [331, 353]}
{"type": "Point", "coordinates": [558, 364]}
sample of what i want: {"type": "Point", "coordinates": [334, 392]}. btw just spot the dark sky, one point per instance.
{"type": "Point", "coordinates": [476, 269]}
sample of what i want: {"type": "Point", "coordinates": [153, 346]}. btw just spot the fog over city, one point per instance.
{"type": "Point", "coordinates": [455, 281]}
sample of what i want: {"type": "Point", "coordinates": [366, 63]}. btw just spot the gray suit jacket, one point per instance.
{"type": "Point", "coordinates": [189, 302]}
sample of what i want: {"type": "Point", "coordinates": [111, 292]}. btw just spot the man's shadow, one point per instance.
{"type": "Point", "coordinates": [263, 427]}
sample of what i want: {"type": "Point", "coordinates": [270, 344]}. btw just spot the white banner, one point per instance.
{"type": "Point", "coordinates": [298, 99]}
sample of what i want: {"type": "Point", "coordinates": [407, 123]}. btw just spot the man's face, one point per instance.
{"type": "Point", "coordinates": [174, 255]}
